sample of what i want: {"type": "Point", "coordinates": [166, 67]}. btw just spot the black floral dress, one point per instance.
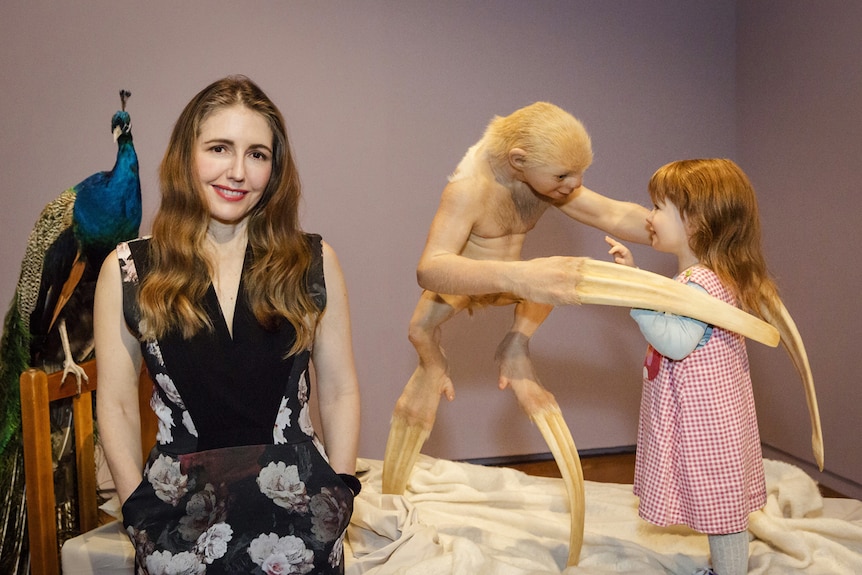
{"type": "Point", "coordinates": [237, 481]}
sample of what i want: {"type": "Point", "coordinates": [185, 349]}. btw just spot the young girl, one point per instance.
{"type": "Point", "coordinates": [698, 460]}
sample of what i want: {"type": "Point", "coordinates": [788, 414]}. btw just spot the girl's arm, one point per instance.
{"type": "Point", "coordinates": [673, 336]}
{"type": "Point", "coordinates": [118, 367]}
{"type": "Point", "coordinates": [337, 384]}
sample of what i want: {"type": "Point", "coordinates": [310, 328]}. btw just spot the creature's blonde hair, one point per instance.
{"type": "Point", "coordinates": [547, 133]}
{"type": "Point", "coordinates": [172, 293]}
{"type": "Point", "coordinates": [718, 203]}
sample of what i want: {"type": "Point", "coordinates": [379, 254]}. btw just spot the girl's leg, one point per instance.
{"type": "Point", "coordinates": [729, 553]}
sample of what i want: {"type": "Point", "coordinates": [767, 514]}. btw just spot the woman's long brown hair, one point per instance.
{"type": "Point", "coordinates": [172, 293]}
{"type": "Point", "coordinates": [717, 202]}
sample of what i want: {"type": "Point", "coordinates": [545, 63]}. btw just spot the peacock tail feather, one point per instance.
{"type": "Point", "coordinates": [54, 219]}
{"type": "Point", "coordinates": [15, 346]}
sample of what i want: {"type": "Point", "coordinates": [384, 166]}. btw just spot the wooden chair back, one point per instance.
{"type": "Point", "coordinates": [38, 390]}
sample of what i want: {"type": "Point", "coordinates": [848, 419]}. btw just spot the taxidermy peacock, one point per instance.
{"type": "Point", "coordinates": [49, 323]}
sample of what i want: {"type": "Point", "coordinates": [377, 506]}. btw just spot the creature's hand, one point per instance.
{"type": "Point", "coordinates": [548, 280]}
{"type": "Point", "coordinates": [622, 255]}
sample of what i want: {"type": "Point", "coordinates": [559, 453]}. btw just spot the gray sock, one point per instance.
{"type": "Point", "coordinates": [729, 553]}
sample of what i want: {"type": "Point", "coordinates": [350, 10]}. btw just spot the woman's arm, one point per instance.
{"type": "Point", "coordinates": [118, 365]}
{"type": "Point", "coordinates": [337, 384]}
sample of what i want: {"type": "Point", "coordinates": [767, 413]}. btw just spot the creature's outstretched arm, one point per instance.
{"type": "Point", "coordinates": [606, 283]}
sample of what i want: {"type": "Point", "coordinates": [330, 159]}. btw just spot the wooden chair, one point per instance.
{"type": "Point", "coordinates": [38, 390]}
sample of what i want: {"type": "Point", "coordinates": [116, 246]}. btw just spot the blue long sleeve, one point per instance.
{"type": "Point", "coordinates": [673, 336]}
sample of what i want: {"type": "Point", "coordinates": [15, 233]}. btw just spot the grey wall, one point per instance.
{"type": "Point", "coordinates": [383, 97]}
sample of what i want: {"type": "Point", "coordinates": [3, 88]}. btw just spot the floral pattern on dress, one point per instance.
{"type": "Point", "coordinates": [169, 483]}
{"type": "Point", "coordinates": [268, 508]}
{"type": "Point", "coordinates": [281, 483]}
{"type": "Point", "coordinates": [281, 555]}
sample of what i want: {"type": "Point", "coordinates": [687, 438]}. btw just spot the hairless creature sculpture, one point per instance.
{"type": "Point", "coordinates": [528, 161]}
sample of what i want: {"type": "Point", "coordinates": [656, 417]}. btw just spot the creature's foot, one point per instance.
{"type": "Point", "coordinates": [545, 412]}
{"type": "Point", "coordinates": [513, 359]}
{"type": "Point", "coordinates": [412, 421]}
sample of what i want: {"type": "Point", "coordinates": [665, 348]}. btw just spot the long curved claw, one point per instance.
{"type": "Point", "coordinates": [606, 283]}
{"type": "Point", "coordinates": [792, 341]}
{"type": "Point", "coordinates": [556, 433]}
{"type": "Point", "coordinates": [544, 411]}
{"type": "Point", "coordinates": [412, 421]}
{"type": "Point", "coordinates": [402, 450]}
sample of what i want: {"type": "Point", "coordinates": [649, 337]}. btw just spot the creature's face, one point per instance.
{"type": "Point", "coordinates": [556, 182]}
{"type": "Point", "coordinates": [233, 159]}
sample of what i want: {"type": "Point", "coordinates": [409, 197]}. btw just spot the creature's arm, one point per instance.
{"type": "Point", "coordinates": [337, 384]}
{"type": "Point", "coordinates": [443, 269]}
{"type": "Point", "coordinates": [625, 220]}
{"type": "Point", "coordinates": [119, 364]}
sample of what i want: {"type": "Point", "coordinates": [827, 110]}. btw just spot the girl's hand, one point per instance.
{"type": "Point", "coordinates": [622, 255]}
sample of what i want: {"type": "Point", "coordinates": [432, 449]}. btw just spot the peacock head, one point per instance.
{"type": "Point", "coordinates": [121, 125]}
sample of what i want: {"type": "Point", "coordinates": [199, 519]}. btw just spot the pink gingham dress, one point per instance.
{"type": "Point", "coordinates": [698, 459]}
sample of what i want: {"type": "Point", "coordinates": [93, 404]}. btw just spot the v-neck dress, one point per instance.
{"type": "Point", "coordinates": [237, 481]}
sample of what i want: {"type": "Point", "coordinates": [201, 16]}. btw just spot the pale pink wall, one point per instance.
{"type": "Point", "coordinates": [382, 99]}
{"type": "Point", "coordinates": [800, 137]}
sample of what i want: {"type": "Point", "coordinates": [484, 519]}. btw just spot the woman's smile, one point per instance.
{"type": "Point", "coordinates": [230, 194]}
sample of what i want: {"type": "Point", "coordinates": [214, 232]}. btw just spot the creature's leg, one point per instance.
{"type": "Point", "coordinates": [416, 409]}
{"type": "Point", "coordinates": [516, 370]}
{"type": "Point", "coordinates": [69, 365]}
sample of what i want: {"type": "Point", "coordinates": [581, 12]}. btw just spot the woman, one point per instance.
{"type": "Point", "coordinates": [227, 303]}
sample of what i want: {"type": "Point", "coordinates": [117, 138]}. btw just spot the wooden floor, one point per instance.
{"type": "Point", "coordinates": [614, 468]}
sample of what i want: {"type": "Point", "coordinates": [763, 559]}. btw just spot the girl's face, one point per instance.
{"type": "Point", "coordinates": [668, 231]}
{"type": "Point", "coordinates": [233, 160]}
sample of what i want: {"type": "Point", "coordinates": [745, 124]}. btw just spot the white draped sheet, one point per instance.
{"type": "Point", "coordinates": [463, 519]}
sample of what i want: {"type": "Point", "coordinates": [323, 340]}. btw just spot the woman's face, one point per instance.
{"type": "Point", "coordinates": [233, 159]}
